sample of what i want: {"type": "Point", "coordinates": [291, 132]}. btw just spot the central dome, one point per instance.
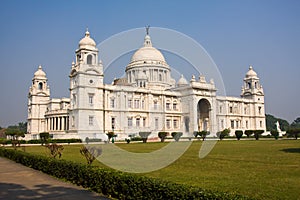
{"type": "Point", "coordinates": [147, 52]}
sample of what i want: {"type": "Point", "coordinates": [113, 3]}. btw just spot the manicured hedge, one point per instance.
{"type": "Point", "coordinates": [113, 183]}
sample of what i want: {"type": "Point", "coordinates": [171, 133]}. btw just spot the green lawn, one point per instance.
{"type": "Point", "coordinates": [264, 169]}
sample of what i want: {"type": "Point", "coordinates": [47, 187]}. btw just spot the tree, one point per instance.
{"type": "Point", "coordinates": [144, 136]}
{"type": "Point", "coordinates": [162, 136]}
{"type": "Point", "coordinates": [176, 135]}
{"type": "Point", "coordinates": [44, 137]}
{"type": "Point", "coordinates": [293, 132]}
{"type": "Point", "coordinates": [90, 153]}
{"type": "Point", "coordinates": [249, 133]}
{"type": "Point", "coordinates": [223, 133]}
{"type": "Point", "coordinates": [239, 134]}
{"type": "Point", "coordinates": [275, 134]}
{"type": "Point", "coordinates": [257, 133]}
{"type": "Point", "coordinates": [271, 121]}
{"type": "Point", "coordinates": [14, 132]}
{"type": "Point", "coordinates": [55, 149]}
{"type": "Point", "coordinates": [296, 123]}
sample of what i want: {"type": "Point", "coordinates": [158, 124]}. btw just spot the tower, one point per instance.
{"type": "Point", "coordinates": [86, 90]}
{"type": "Point", "coordinates": [38, 99]}
{"type": "Point", "coordinates": [253, 93]}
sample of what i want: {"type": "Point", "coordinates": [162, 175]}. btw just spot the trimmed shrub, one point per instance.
{"type": "Point", "coordinates": [176, 135]}
{"type": "Point", "coordinates": [257, 133]}
{"type": "Point", "coordinates": [249, 133]}
{"type": "Point", "coordinates": [239, 134]}
{"type": "Point", "coordinates": [144, 136]}
{"type": "Point", "coordinates": [162, 136]}
{"type": "Point", "coordinates": [223, 133]}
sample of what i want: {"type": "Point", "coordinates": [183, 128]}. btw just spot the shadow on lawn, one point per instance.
{"type": "Point", "coordinates": [291, 150]}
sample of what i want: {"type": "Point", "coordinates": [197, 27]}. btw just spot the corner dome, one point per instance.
{"type": "Point", "coordinates": [40, 73]}
{"type": "Point", "coordinates": [182, 81]}
{"type": "Point", "coordinates": [147, 52]}
{"type": "Point", "coordinates": [87, 41]}
{"type": "Point", "coordinates": [251, 73]}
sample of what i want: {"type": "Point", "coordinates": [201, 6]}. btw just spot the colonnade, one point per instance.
{"type": "Point", "coordinates": [58, 123]}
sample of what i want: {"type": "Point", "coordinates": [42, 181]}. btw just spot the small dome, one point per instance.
{"type": "Point", "coordinates": [251, 73]}
{"type": "Point", "coordinates": [87, 41]}
{"type": "Point", "coordinates": [182, 81]}
{"type": "Point", "coordinates": [147, 52]}
{"type": "Point", "coordinates": [40, 73]}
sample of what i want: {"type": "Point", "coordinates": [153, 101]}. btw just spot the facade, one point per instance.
{"type": "Point", "coordinates": [146, 99]}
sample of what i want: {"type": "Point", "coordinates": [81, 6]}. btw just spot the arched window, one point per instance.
{"type": "Point", "coordinates": [40, 85]}
{"type": "Point", "coordinates": [160, 77]}
{"type": "Point", "coordinates": [89, 59]}
{"type": "Point", "coordinates": [249, 85]}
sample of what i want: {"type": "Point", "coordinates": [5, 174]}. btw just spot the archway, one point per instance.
{"type": "Point", "coordinates": [203, 109]}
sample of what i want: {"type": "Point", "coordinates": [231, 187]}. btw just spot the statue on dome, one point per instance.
{"type": "Point", "coordinates": [147, 29]}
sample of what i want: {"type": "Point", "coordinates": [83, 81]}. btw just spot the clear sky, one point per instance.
{"type": "Point", "coordinates": [236, 34]}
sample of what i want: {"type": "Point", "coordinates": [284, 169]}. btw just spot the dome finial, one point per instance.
{"type": "Point", "coordinates": [147, 30]}
{"type": "Point", "coordinates": [87, 33]}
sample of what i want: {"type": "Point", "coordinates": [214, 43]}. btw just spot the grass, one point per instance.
{"type": "Point", "coordinates": [264, 169]}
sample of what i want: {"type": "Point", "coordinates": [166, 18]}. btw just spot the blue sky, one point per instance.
{"type": "Point", "coordinates": [236, 34]}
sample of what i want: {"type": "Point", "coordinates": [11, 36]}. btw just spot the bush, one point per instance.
{"type": "Point", "coordinates": [176, 135]}
{"type": "Point", "coordinates": [118, 185]}
{"type": "Point", "coordinates": [239, 134]}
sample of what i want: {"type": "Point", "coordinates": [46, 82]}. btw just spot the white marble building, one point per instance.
{"type": "Point", "coordinates": [146, 99]}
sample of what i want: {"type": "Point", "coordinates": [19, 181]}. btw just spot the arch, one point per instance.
{"type": "Point", "coordinates": [203, 115]}
{"type": "Point", "coordinates": [89, 59]}
{"type": "Point", "coordinates": [40, 86]}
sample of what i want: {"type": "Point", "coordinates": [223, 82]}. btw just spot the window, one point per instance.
{"type": "Point", "coordinates": [260, 124]}
{"type": "Point", "coordinates": [168, 106]}
{"type": "Point", "coordinates": [113, 123]}
{"type": "Point", "coordinates": [232, 124]}
{"type": "Point", "coordinates": [220, 109]}
{"type": "Point", "coordinates": [259, 110]}
{"type": "Point", "coordinates": [112, 103]}
{"type": "Point", "coordinates": [175, 123]}
{"type": "Point", "coordinates": [174, 106]}
{"type": "Point", "coordinates": [143, 104]}
{"type": "Point", "coordinates": [159, 77]}
{"type": "Point", "coordinates": [245, 111]}
{"type": "Point", "coordinates": [136, 103]}
{"type": "Point", "coordinates": [230, 109]}
{"type": "Point", "coordinates": [91, 99]}
{"type": "Point", "coordinates": [168, 123]}
{"type": "Point", "coordinates": [129, 103]}
{"type": "Point", "coordinates": [73, 121]}
{"type": "Point", "coordinates": [137, 122]}
{"type": "Point", "coordinates": [222, 124]}
{"type": "Point", "coordinates": [237, 124]}
{"type": "Point", "coordinates": [91, 120]}
{"type": "Point", "coordinates": [144, 122]}
{"type": "Point", "coordinates": [246, 124]}
{"type": "Point", "coordinates": [130, 122]}
{"type": "Point", "coordinates": [155, 105]}
{"type": "Point", "coordinates": [156, 123]}
{"type": "Point", "coordinates": [89, 59]}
